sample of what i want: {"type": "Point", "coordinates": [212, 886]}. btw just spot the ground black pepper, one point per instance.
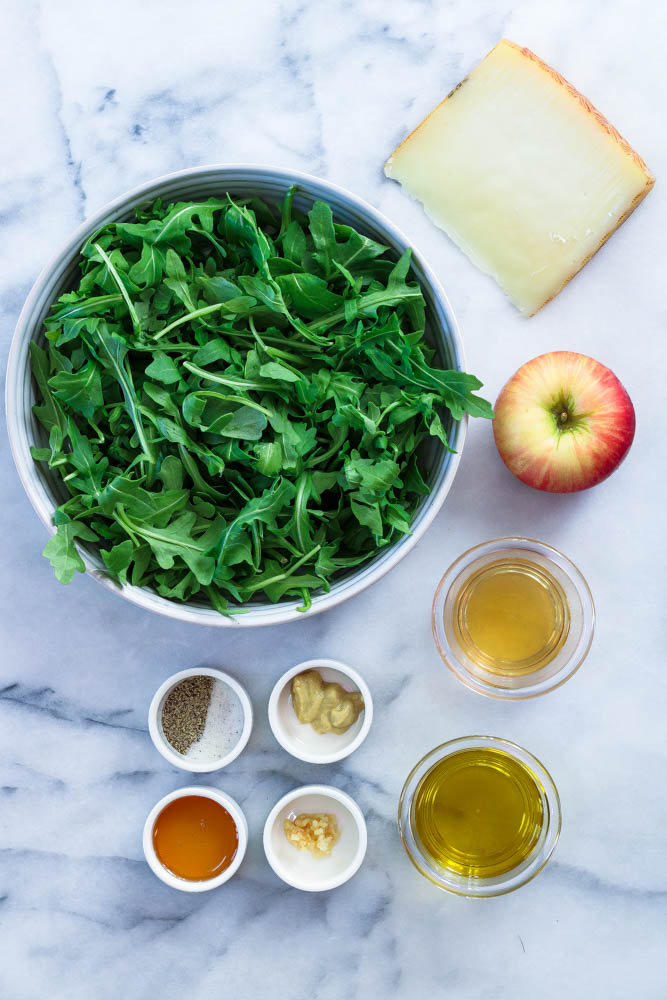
{"type": "Point", "coordinates": [185, 710]}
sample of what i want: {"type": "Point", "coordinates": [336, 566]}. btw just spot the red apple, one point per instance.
{"type": "Point", "coordinates": [563, 422]}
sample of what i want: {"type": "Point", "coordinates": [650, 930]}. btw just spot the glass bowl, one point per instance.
{"type": "Point", "coordinates": [532, 676]}
{"type": "Point", "coordinates": [497, 885]}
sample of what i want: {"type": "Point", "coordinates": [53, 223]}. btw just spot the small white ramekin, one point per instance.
{"type": "Point", "coordinates": [163, 745]}
{"type": "Point", "coordinates": [299, 738]}
{"type": "Point", "coordinates": [185, 885]}
{"type": "Point", "coordinates": [299, 868]}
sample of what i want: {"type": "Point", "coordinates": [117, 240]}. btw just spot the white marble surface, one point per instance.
{"type": "Point", "coordinates": [96, 98]}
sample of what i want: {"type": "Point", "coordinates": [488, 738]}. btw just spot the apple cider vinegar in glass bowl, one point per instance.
{"type": "Point", "coordinates": [479, 816]}
{"type": "Point", "coordinates": [513, 618]}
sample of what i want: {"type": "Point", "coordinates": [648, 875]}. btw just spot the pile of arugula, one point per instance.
{"type": "Point", "coordinates": [235, 398]}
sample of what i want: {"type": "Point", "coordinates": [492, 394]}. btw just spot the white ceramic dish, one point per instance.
{"type": "Point", "coordinates": [163, 745]}
{"type": "Point", "coordinates": [300, 739]}
{"type": "Point", "coordinates": [299, 868]}
{"type": "Point", "coordinates": [43, 486]}
{"type": "Point", "coordinates": [184, 885]}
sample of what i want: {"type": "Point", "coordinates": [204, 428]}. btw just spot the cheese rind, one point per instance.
{"type": "Point", "coordinates": [523, 173]}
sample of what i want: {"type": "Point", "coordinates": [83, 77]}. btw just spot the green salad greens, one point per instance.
{"type": "Point", "coordinates": [236, 397]}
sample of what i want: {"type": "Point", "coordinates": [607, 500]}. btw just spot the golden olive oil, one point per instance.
{"type": "Point", "coordinates": [479, 812]}
{"type": "Point", "coordinates": [511, 616]}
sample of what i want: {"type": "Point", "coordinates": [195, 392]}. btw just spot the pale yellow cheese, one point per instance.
{"type": "Point", "coordinates": [522, 173]}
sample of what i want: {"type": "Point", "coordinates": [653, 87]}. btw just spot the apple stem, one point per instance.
{"type": "Point", "coordinates": [563, 417]}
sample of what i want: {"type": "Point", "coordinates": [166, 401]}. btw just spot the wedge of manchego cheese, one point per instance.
{"type": "Point", "coordinates": [523, 173]}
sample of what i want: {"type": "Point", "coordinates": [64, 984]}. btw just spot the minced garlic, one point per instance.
{"type": "Point", "coordinates": [314, 832]}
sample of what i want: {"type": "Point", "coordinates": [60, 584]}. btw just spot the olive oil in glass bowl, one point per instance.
{"type": "Point", "coordinates": [513, 618]}
{"type": "Point", "coordinates": [479, 816]}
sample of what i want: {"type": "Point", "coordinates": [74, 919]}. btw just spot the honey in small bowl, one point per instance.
{"type": "Point", "coordinates": [195, 838]}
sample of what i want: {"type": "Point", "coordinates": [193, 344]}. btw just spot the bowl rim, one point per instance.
{"type": "Point", "coordinates": [19, 438]}
{"type": "Point", "coordinates": [328, 791]}
{"type": "Point", "coordinates": [163, 746]}
{"type": "Point", "coordinates": [175, 881]}
{"type": "Point", "coordinates": [279, 732]}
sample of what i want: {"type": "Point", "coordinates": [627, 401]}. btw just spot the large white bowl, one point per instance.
{"type": "Point", "coordinates": [42, 485]}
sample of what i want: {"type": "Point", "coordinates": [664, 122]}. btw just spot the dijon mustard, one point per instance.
{"type": "Point", "coordinates": [327, 706]}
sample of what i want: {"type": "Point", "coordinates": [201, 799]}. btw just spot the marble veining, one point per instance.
{"type": "Point", "coordinates": [97, 100]}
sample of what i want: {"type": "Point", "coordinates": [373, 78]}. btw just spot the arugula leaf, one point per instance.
{"type": "Point", "coordinates": [172, 473]}
{"type": "Point", "coordinates": [61, 550]}
{"type": "Point", "coordinates": [367, 514]}
{"type": "Point", "coordinates": [89, 468]}
{"type": "Point", "coordinates": [140, 503]}
{"type": "Point", "coordinates": [214, 350]}
{"type": "Point", "coordinates": [456, 391]}
{"type": "Point", "coordinates": [177, 540]}
{"type": "Point", "coordinates": [113, 355]}
{"type": "Point", "coordinates": [180, 218]}
{"type": "Point", "coordinates": [294, 243]}
{"type": "Point", "coordinates": [117, 559]}
{"type": "Point", "coordinates": [217, 288]}
{"type": "Point", "coordinates": [241, 227]}
{"type": "Point", "coordinates": [163, 368]}
{"type": "Point", "coordinates": [148, 270]}
{"type": "Point", "coordinates": [264, 509]}
{"type": "Point", "coordinates": [177, 280]}
{"type": "Point", "coordinates": [308, 294]}
{"type": "Point", "coordinates": [356, 250]}
{"type": "Point", "coordinates": [269, 458]}
{"type": "Point", "coordinates": [81, 390]}
{"type": "Point", "coordinates": [274, 370]}
{"type": "Point", "coordinates": [377, 476]}
{"type": "Point", "coordinates": [49, 412]}
{"type": "Point", "coordinates": [115, 275]}
{"type": "Point", "coordinates": [324, 237]}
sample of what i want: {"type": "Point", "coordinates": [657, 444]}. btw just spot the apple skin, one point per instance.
{"type": "Point", "coordinates": [563, 422]}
